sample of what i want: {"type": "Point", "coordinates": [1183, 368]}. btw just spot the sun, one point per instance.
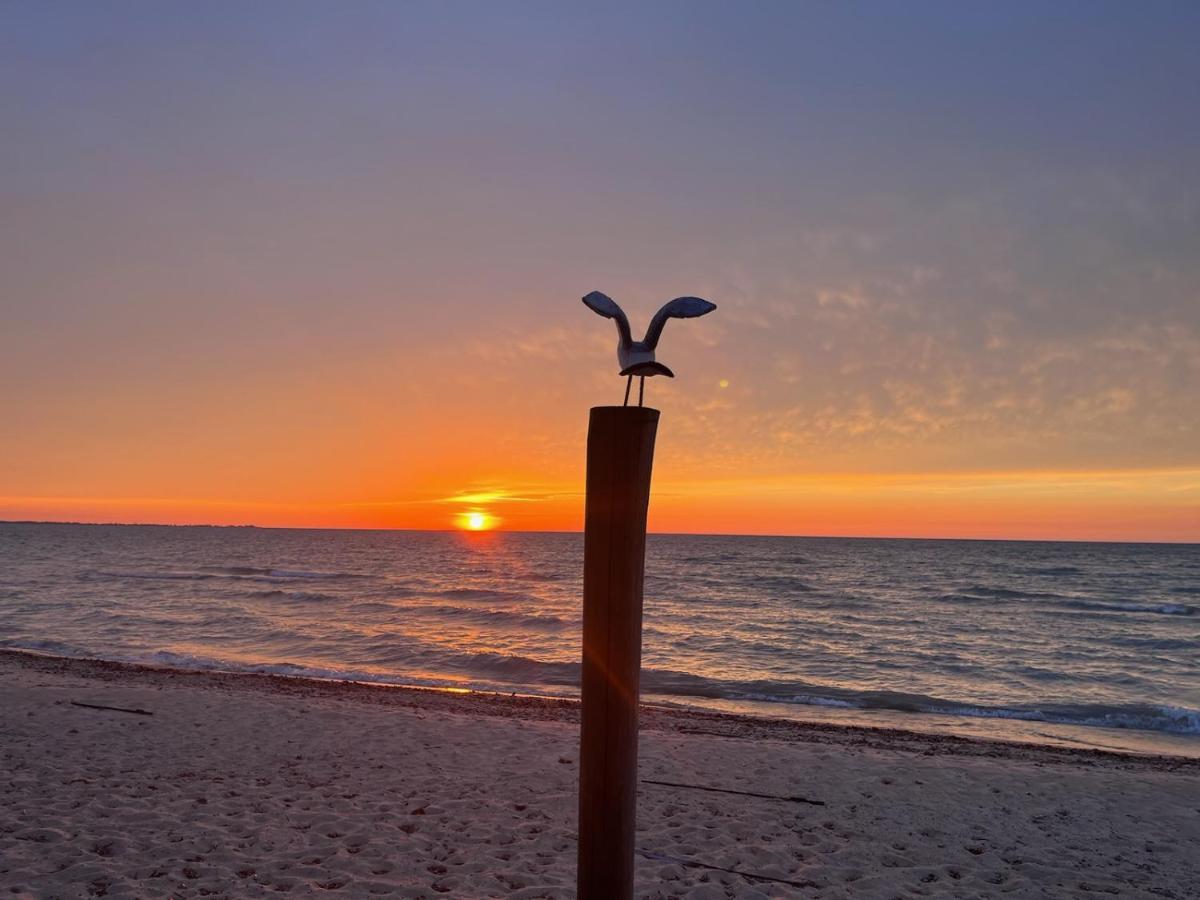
{"type": "Point", "coordinates": [475, 520]}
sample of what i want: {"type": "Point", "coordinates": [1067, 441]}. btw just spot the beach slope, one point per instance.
{"type": "Point", "coordinates": [243, 786]}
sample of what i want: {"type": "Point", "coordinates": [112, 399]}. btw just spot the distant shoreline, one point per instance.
{"type": "Point", "coordinates": [807, 537]}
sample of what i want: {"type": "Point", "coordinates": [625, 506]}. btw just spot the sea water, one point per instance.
{"type": "Point", "coordinates": [1066, 643]}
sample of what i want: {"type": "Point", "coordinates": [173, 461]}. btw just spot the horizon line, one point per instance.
{"type": "Point", "coordinates": [837, 537]}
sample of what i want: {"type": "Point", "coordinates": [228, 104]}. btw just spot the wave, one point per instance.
{"type": "Point", "coordinates": [546, 576]}
{"type": "Point", "coordinates": [485, 670]}
{"type": "Point", "coordinates": [273, 572]}
{"type": "Point", "coordinates": [50, 647]}
{"type": "Point", "coordinates": [481, 595]}
{"type": "Point", "coordinates": [300, 573]}
{"type": "Point", "coordinates": [294, 596]}
{"type": "Point", "coordinates": [1059, 601]}
{"type": "Point", "coordinates": [494, 617]}
{"type": "Point", "coordinates": [1144, 642]}
{"type": "Point", "coordinates": [418, 618]}
{"type": "Point", "coordinates": [190, 662]}
{"type": "Point", "coordinates": [244, 573]}
{"type": "Point", "coordinates": [1169, 719]}
{"type": "Point", "coordinates": [1140, 717]}
{"type": "Point", "coordinates": [983, 591]}
{"type": "Point", "coordinates": [1165, 609]}
{"type": "Point", "coordinates": [158, 576]}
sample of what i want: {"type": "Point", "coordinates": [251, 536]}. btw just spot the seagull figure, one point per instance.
{"type": "Point", "coordinates": [637, 357]}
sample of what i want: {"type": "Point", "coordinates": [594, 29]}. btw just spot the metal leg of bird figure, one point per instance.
{"type": "Point", "coordinates": [641, 389]}
{"type": "Point", "coordinates": [628, 385]}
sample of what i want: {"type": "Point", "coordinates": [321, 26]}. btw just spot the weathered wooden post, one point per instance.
{"type": "Point", "coordinates": [620, 453]}
{"type": "Point", "coordinates": [620, 456]}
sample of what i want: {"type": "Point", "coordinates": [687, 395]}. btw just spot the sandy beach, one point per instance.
{"type": "Point", "coordinates": [245, 785]}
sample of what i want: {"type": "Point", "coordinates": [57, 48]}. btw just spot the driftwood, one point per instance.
{"type": "Point", "coordinates": [752, 876]}
{"type": "Point", "coordinates": [702, 787]}
{"type": "Point", "coordinates": [136, 712]}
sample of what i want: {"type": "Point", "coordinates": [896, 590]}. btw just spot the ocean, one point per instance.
{"type": "Point", "coordinates": [1079, 644]}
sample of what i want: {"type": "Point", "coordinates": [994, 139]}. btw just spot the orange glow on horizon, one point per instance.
{"type": "Point", "coordinates": [1114, 505]}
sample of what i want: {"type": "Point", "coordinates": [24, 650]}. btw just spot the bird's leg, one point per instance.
{"type": "Point", "coordinates": [628, 385]}
{"type": "Point", "coordinates": [641, 389]}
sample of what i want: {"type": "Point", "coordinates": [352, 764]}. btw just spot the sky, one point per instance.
{"type": "Point", "coordinates": [320, 264]}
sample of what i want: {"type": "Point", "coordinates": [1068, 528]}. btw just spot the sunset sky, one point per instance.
{"type": "Point", "coordinates": [319, 264]}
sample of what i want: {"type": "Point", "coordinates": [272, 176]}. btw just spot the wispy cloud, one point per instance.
{"type": "Point", "coordinates": [491, 496]}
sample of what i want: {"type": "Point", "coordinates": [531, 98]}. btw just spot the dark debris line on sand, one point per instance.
{"type": "Point", "coordinates": [717, 790]}
{"type": "Point", "coordinates": [124, 709]}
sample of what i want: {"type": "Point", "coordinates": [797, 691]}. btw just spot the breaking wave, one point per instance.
{"type": "Point", "coordinates": [492, 671]}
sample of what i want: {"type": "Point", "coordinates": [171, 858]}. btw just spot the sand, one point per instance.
{"type": "Point", "coordinates": [248, 786]}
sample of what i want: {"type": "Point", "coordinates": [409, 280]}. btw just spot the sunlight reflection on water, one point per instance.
{"type": "Point", "coordinates": [1043, 641]}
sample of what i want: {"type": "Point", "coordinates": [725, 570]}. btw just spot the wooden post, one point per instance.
{"type": "Point", "coordinates": [620, 453]}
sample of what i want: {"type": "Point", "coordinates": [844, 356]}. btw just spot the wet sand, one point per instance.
{"type": "Point", "coordinates": [248, 785]}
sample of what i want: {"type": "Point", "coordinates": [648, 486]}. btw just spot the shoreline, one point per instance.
{"type": "Point", "coordinates": [654, 717]}
{"type": "Point", "coordinates": [1004, 727]}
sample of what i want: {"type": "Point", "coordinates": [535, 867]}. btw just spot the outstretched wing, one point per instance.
{"type": "Point", "coordinates": [679, 308]}
{"type": "Point", "coordinates": [604, 305]}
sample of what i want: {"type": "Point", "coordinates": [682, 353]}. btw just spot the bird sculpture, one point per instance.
{"type": "Point", "coordinates": [637, 357]}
